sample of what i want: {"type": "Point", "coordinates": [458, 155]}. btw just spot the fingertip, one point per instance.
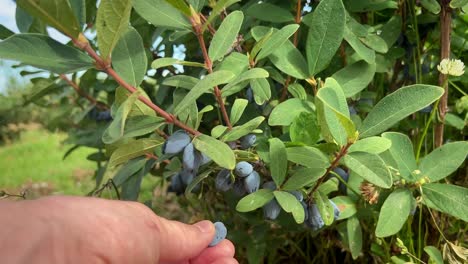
{"type": "Point", "coordinates": [205, 226]}
{"type": "Point", "coordinates": [225, 249]}
{"type": "Point", "coordinates": [225, 261]}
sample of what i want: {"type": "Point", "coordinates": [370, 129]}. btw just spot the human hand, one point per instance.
{"type": "Point", "coordinates": [91, 230]}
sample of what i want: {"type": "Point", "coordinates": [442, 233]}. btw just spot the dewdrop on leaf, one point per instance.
{"type": "Point", "coordinates": [451, 67]}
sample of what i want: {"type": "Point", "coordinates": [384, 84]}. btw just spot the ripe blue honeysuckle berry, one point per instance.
{"type": "Point", "coordinates": [243, 169]}
{"type": "Point", "coordinates": [248, 141]}
{"type": "Point", "coordinates": [192, 158]}
{"type": "Point", "coordinates": [177, 185]}
{"type": "Point", "coordinates": [220, 234]}
{"type": "Point", "coordinates": [344, 175]}
{"type": "Point", "coordinates": [176, 142]}
{"type": "Point", "coordinates": [223, 181]}
{"type": "Point", "coordinates": [269, 185]}
{"type": "Point", "coordinates": [252, 182]}
{"type": "Point", "coordinates": [271, 210]}
{"type": "Point", "coordinates": [238, 188]}
{"type": "Point", "coordinates": [315, 220]}
{"type": "Point", "coordinates": [186, 177]}
{"type": "Point", "coordinates": [336, 210]}
{"type": "Point", "coordinates": [306, 211]}
{"type": "Point", "coordinates": [298, 194]}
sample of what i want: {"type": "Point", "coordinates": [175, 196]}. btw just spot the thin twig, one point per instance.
{"type": "Point", "coordinates": [105, 66]}
{"type": "Point", "coordinates": [445, 28]}
{"type": "Point", "coordinates": [83, 93]}
{"type": "Point", "coordinates": [298, 21]}
{"type": "Point", "coordinates": [209, 65]}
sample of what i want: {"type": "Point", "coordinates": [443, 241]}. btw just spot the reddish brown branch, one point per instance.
{"type": "Point", "coordinates": [284, 92]}
{"type": "Point", "coordinates": [105, 66]}
{"type": "Point", "coordinates": [343, 151]}
{"type": "Point", "coordinates": [298, 21]}
{"type": "Point", "coordinates": [81, 92]}
{"type": "Point", "coordinates": [209, 65]}
{"type": "Point", "coordinates": [445, 28]}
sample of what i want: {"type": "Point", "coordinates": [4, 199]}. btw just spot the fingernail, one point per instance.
{"type": "Point", "coordinates": [205, 226]}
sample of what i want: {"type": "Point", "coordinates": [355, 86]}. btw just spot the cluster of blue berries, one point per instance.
{"type": "Point", "coordinates": [245, 178]}
{"type": "Point", "coordinates": [180, 142]}
{"type": "Point", "coordinates": [312, 219]}
{"type": "Point", "coordinates": [96, 114]}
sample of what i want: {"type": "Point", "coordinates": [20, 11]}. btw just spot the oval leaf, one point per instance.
{"type": "Point", "coordinates": [450, 199]}
{"type": "Point", "coordinates": [390, 222]}
{"type": "Point", "coordinates": [370, 167]}
{"type": "Point", "coordinates": [255, 200]}
{"type": "Point", "coordinates": [290, 204]}
{"type": "Point", "coordinates": [218, 151]}
{"type": "Point", "coordinates": [225, 35]}
{"type": "Point", "coordinates": [278, 160]}
{"type": "Point", "coordinates": [398, 105]}
{"type": "Point", "coordinates": [442, 161]}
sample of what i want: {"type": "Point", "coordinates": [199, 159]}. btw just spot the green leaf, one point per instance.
{"type": "Point", "coordinates": [398, 105]}
{"type": "Point", "coordinates": [325, 34]}
{"type": "Point", "coordinates": [204, 85]}
{"type": "Point", "coordinates": [354, 236]}
{"type": "Point", "coordinates": [278, 161]}
{"type": "Point", "coordinates": [297, 91]}
{"type": "Point", "coordinates": [285, 113]}
{"type": "Point", "coordinates": [346, 205]}
{"type": "Point", "coordinates": [217, 9]}
{"type": "Point", "coordinates": [303, 177]}
{"type": "Point", "coordinates": [139, 108]}
{"type": "Point", "coordinates": [449, 199]}
{"type": "Point", "coordinates": [23, 19]}
{"type": "Point", "coordinates": [309, 157]}
{"type": "Point", "coordinates": [129, 58]}
{"type": "Point", "coordinates": [216, 150]}
{"type": "Point", "coordinates": [455, 121]}
{"type": "Point", "coordinates": [131, 188]}
{"type": "Point", "coordinates": [370, 167]}
{"type": "Point", "coordinates": [276, 40]}
{"type": "Point", "coordinates": [127, 170]}
{"type": "Point", "coordinates": [241, 81]}
{"type": "Point", "coordinates": [237, 110]}
{"type": "Point", "coordinates": [115, 131]}
{"type": "Point", "coordinates": [331, 185]}
{"type": "Point", "coordinates": [135, 148]}
{"type": "Point", "coordinates": [369, 5]}
{"type": "Point", "coordinates": [375, 42]}
{"type": "Point", "coordinates": [161, 14]}
{"type": "Point", "coordinates": [305, 129]}
{"type": "Point", "coordinates": [226, 35]}
{"type": "Point", "coordinates": [113, 17]}
{"type": "Point", "coordinates": [218, 131]}
{"type": "Point", "coordinates": [5, 32]}
{"type": "Point", "coordinates": [444, 160]}
{"type": "Point", "coordinates": [434, 254]}
{"type": "Point", "coordinates": [458, 3]}
{"type": "Point", "coordinates": [363, 52]}
{"type": "Point", "coordinates": [142, 125]}
{"type": "Point", "coordinates": [235, 62]}
{"type": "Point", "coordinates": [181, 6]}
{"type": "Point", "coordinates": [286, 58]}
{"type": "Point", "coordinates": [433, 6]}
{"type": "Point", "coordinates": [240, 131]}
{"type": "Point", "coordinates": [79, 9]}
{"type": "Point", "coordinates": [182, 81]}
{"type": "Point", "coordinates": [290, 204]}
{"type": "Point", "coordinates": [164, 62]}
{"type": "Point", "coordinates": [255, 200]}
{"type": "Point", "coordinates": [260, 43]}
{"type": "Point", "coordinates": [275, 13]}
{"type": "Point", "coordinates": [355, 77]}
{"type": "Point", "coordinates": [41, 88]}
{"type": "Point", "coordinates": [45, 53]}
{"type": "Point", "coordinates": [56, 13]}
{"type": "Point", "coordinates": [390, 222]}
{"type": "Point", "coordinates": [325, 207]}
{"type": "Point", "coordinates": [391, 30]}
{"type": "Point", "coordinates": [333, 113]}
{"type": "Point", "coordinates": [402, 152]}
{"type": "Point", "coordinates": [197, 180]}
{"type": "Point", "coordinates": [375, 145]}
{"type": "Point", "coordinates": [261, 90]}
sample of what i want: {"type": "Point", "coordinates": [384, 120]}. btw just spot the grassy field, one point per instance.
{"type": "Point", "coordinates": [35, 162]}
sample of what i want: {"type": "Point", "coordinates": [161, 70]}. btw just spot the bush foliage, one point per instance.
{"type": "Point", "coordinates": [337, 117]}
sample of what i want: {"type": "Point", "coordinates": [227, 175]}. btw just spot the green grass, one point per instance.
{"type": "Point", "coordinates": [37, 157]}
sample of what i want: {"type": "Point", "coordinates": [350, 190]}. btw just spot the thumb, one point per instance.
{"type": "Point", "coordinates": [179, 241]}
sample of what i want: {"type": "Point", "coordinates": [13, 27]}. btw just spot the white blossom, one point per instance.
{"type": "Point", "coordinates": [451, 67]}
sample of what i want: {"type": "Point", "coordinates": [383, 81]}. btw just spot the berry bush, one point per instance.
{"type": "Point", "coordinates": [316, 131]}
